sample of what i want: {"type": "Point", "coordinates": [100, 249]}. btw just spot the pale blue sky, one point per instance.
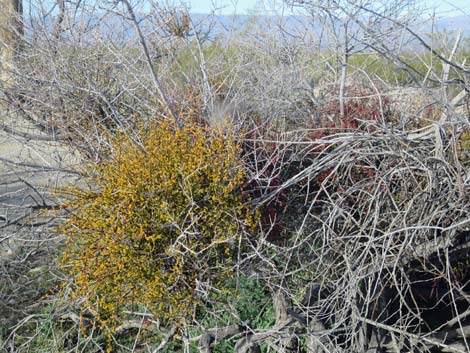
{"type": "Point", "coordinates": [444, 7]}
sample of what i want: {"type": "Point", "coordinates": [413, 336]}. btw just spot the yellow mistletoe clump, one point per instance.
{"type": "Point", "coordinates": [160, 217]}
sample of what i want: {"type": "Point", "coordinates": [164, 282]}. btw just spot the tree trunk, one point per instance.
{"type": "Point", "coordinates": [11, 30]}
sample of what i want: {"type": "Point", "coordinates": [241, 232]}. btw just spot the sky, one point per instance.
{"type": "Point", "coordinates": [443, 7]}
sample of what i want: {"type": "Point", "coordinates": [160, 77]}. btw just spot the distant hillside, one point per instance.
{"type": "Point", "coordinates": [224, 24]}
{"type": "Point", "coordinates": [454, 24]}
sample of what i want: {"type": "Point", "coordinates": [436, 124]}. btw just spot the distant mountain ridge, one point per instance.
{"type": "Point", "coordinates": [227, 23]}
{"type": "Point", "coordinates": [455, 23]}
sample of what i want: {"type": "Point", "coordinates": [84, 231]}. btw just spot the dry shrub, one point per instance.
{"type": "Point", "coordinates": [417, 108]}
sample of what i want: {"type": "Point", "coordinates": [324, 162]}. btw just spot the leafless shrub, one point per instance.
{"type": "Point", "coordinates": [362, 189]}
